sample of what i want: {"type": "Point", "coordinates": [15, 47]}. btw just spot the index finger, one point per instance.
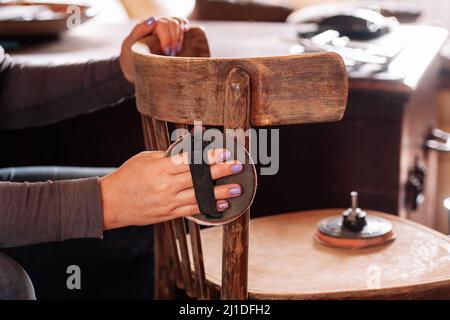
{"type": "Point", "coordinates": [184, 26]}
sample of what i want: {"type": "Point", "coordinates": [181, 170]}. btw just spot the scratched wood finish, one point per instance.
{"type": "Point", "coordinates": [291, 89]}
{"type": "Point", "coordinates": [286, 263]}
{"type": "Point", "coordinates": [235, 235]}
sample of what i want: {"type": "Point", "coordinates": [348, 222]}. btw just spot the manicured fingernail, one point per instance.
{"type": "Point", "coordinates": [167, 51]}
{"type": "Point", "coordinates": [222, 205]}
{"type": "Point", "coordinates": [150, 21]}
{"type": "Point", "coordinates": [185, 27]}
{"type": "Point", "coordinates": [179, 46]}
{"type": "Point", "coordinates": [173, 52]}
{"type": "Point", "coordinates": [235, 191]}
{"type": "Point", "coordinates": [225, 155]}
{"type": "Point", "coordinates": [236, 168]}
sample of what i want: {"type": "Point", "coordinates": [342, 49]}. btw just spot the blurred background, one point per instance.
{"type": "Point", "coordinates": [433, 11]}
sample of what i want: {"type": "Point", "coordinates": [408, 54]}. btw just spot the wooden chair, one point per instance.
{"type": "Point", "coordinates": [230, 93]}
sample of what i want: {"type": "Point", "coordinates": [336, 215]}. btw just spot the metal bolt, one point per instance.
{"type": "Point", "coordinates": [354, 195]}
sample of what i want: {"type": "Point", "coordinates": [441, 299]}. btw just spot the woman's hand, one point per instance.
{"type": "Point", "coordinates": [151, 188]}
{"type": "Point", "coordinates": [170, 32]}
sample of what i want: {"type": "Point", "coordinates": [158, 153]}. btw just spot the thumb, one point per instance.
{"type": "Point", "coordinates": [143, 29]}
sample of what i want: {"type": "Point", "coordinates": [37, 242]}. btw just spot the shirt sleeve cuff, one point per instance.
{"type": "Point", "coordinates": [81, 209]}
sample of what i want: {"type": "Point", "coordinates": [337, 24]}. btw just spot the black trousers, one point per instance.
{"type": "Point", "coordinates": [119, 266]}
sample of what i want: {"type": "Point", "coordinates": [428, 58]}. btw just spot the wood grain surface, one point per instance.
{"type": "Point", "coordinates": [286, 263]}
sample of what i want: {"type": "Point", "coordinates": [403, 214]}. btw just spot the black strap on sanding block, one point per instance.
{"type": "Point", "coordinates": [201, 177]}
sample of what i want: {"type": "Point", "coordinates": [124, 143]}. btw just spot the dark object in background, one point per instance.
{"type": "Point", "coordinates": [356, 24]}
{"type": "Point", "coordinates": [119, 266]}
{"type": "Point", "coordinates": [227, 10]}
{"type": "Point", "coordinates": [361, 24]}
{"type": "Point", "coordinates": [404, 12]}
{"type": "Point", "coordinates": [357, 20]}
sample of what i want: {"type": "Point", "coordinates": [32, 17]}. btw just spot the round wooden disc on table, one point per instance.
{"type": "Point", "coordinates": [285, 262]}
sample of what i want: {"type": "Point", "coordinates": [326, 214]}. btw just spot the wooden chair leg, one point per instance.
{"type": "Point", "coordinates": [165, 288]}
{"type": "Point", "coordinates": [197, 254]}
{"type": "Point", "coordinates": [235, 259]}
{"type": "Point", "coordinates": [174, 253]}
{"type": "Point", "coordinates": [185, 263]}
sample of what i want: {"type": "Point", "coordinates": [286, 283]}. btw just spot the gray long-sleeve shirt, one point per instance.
{"type": "Point", "coordinates": [38, 95]}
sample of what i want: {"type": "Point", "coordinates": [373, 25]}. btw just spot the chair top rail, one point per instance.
{"type": "Point", "coordinates": [293, 89]}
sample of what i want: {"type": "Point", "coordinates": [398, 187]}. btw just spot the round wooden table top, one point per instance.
{"type": "Point", "coordinates": [286, 263]}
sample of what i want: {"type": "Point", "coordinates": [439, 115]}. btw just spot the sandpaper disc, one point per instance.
{"type": "Point", "coordinates": [377, 232]}
{"type": "Point", "coordinates": [247, 179]}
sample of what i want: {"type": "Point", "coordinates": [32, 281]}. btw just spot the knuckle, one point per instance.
{"type": "Point", "coordinates": [145, 153]}
{"type": "Point", "coordinates": [139, 156]}
{"type": "Point", "coordinates": [167, 206]}
{"type": "Point", "coordinates": [163, 22]}
{"type": "Point", "coordinates": [171, 207]}
{"type": "Point", "coordinates": [220, 170]}
{"type": "Point", "coordinates": [163, 187]}
{"type": "Point", "coordinates": [128, 40]}
{"type": "Point", "coordinates": [219, 192]}
{"type": "Point", "coordinates": [135, 29]}
{"type": "Point", "coordinates": [174, 21]}
{"type": "Point", "coordinates": [193, 210]}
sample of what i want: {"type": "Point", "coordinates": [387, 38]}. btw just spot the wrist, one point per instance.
{"type": "Point", "coordinates": [110, 219]}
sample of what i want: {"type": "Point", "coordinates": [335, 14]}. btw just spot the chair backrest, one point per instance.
{"type": "Point", "coordinates": [233, 93]}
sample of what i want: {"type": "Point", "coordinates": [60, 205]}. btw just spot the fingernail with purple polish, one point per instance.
{"type": "Point", "coordinates": [167, 51]}
{"type": "Point", "coordinates": [225, 155]}
{"type": "Point", "coordinates": [173, 52]}
{"type": "Point", "coordinates": [235, 191]}
{"type": "Point", "coordinates": [222, 205]}
{"type": "Point", "coordinates": [236, 168]}
{"type": "Point", "coordinates": [150, 21]}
